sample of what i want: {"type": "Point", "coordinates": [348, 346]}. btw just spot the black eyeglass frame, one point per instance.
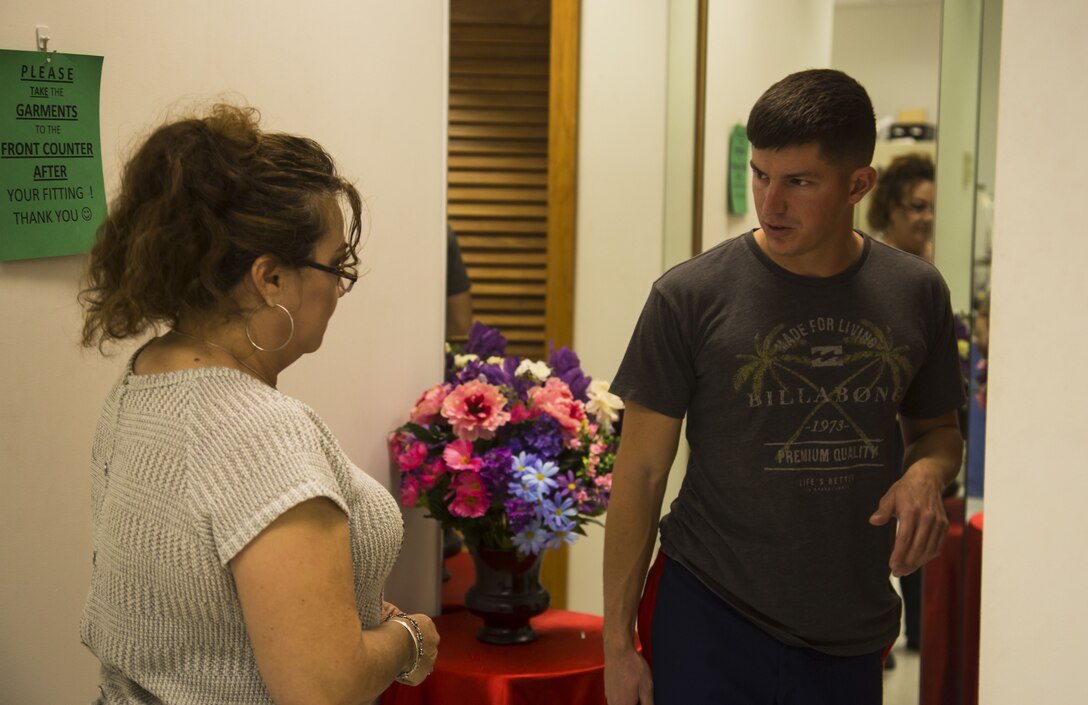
{"type": "Point", "coordinates": [342, 274]}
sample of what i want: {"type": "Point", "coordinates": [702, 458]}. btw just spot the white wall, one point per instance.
{"type": "Point", "coordinates": [750, 45]}
{"type": "Point", "coordinates": [621, 190]}
{"type": "Point", "coordinates": [893, 49]}
{"type": "Point", "coordinates": [957, 147]}
{"type": "Point", "coordinates": [1034, 612]}
{"type": "Point", "coordinates": [366, 79]}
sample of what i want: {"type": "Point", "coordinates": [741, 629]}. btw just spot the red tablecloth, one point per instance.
{"type": "Point", "coordinates": [565, 665]}
{"type": "Point", "coordinates": [646, 608]}
{"type": "Point", "coordinates": [971, 611]}
{"type": "Point", "coordinates": [942, 616]}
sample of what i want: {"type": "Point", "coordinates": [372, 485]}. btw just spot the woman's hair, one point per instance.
{"type": "Point", "coordinates": [200, 200]}
{"type": "Point", "coordinates": [895, 181]}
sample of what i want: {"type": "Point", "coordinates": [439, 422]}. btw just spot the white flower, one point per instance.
{"type": "Point", "coordinates": [495, 360]}
{"type": "Point", "coordinates": [603, 404]}
{"type": "Point", "coordinates": [462, 360]}
{"type": "Point", "coordinates": [537, 369]}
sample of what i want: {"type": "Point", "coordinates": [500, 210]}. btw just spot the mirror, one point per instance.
{"type": "Point", "coordinates": [894, 50]}
{"type": "Point", "coordinates": [923, 61]}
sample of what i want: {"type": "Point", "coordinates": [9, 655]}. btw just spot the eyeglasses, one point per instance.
{"type": "Point", "coordinates": [918, 207]}
{"type": "Point", "coordinates": [346, 278]}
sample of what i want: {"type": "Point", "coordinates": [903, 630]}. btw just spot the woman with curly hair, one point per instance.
{"type": "Point", "coordinates": [901, 208]}
{"type": "Point", "coordinates": [239, 555]}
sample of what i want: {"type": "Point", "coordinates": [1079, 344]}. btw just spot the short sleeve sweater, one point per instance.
{"type": "Point", "coordinates": [188, 467]}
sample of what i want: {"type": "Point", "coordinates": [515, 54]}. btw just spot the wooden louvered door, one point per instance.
{"type": "Point", "coordinates": [499, 104]}
{"type": "Point", "coordinates": [512, 127]}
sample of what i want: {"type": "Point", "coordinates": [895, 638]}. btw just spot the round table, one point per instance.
{"type": "Point", "coordinates": [564, 665]}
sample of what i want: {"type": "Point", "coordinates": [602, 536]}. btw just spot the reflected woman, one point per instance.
{"type": "Point", "coordinates": [901, 207]}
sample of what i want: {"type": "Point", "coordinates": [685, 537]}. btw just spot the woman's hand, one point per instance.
{"type": "Point", "coordinates": [430, 650]}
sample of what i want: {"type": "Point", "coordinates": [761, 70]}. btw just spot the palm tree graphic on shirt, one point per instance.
{"type": "Point", "coordinates": [874, 352]}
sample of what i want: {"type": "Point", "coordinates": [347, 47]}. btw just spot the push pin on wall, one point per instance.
{"type": "Point", "coordinates": [41, 35]}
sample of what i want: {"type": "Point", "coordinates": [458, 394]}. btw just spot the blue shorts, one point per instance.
{"type": "Point", "coordinates": [704, 651]}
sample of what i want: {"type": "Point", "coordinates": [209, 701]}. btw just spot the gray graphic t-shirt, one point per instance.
{"type": "Point", "coordinates": [791, 386]}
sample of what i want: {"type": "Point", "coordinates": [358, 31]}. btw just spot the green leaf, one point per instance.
{"type": "Point", "coordinates": [422, 433]}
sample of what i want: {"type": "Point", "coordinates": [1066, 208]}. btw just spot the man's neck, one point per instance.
{"type": "Point", "coordinates": [834, 258]}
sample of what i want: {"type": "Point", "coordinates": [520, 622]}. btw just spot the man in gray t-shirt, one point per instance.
{"type": "Point", "coordinates": [791, 350]}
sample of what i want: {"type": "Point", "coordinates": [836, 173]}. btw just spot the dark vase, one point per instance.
{"type": "Point", "coordinates": [506, 594]}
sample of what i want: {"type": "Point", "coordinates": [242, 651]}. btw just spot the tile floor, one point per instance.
{"type": "Point", "coordinates": [901, 682]}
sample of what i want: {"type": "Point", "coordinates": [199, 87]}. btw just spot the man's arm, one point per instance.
{"type": "Point", "coordinates": [647, 449]}
{"type": "Point", "coordinates": [934, 452]}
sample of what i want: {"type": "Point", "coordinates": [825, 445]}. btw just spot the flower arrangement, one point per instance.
{"type": "Point", "coordinates": [511, 452]}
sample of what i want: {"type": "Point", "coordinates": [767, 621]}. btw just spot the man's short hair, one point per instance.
{"type": "Point", "coordinates": [819, 105]}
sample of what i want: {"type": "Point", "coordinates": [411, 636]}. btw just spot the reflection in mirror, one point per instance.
{"type": "Point", "coordinates": [965, 177]}
{"type": "Point", "coordinates": [894, 50]}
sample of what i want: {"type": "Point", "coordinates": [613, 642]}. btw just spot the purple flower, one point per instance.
{"type": "Point", "coordinates": [532, 539]}
{"type": "Point", "coordinates": [485, 341]}
{"type": "Point", "coordinates": [542, 437]}
{"type": "Point", "coordinates": [568, 484]}
{"type": "Point", "coordinates": [496, 469]}
{"type": "Point", "coordinates": [562, 536]}
{"type": "Point", "coordinates": [563, 359]}
{"type": "Point", "coordinates": [567, 367]}
{"type": "Point", "coordinates": [559, 516]}
{"type": "Point", "coordinates": [468, 373]}
{"type": "Point", "coordinates": [518, 513]}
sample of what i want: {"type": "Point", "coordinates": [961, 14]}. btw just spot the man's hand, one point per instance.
{"type": "Point", "coordinates": [934, 451]}
{"type": "Point", "coordinates": [627, 679]}
{"type": "Point", "coordinates": [915, 500]}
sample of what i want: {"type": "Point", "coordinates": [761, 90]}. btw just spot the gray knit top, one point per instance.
{"type": "Point", "coordinates": [187, 467]}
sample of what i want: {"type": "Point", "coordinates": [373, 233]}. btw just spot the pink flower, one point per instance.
{"type": "Point", "coordinates": [429, 405]}
{"type": "Point", "coordinates": [555, 400]}
{"type": "Point", "coordinates": [396, 442]}
{"type": "Point", "coordinates": [604, 482]}
{"type": "Point", "coordinates": [413, 456]}
{"type": "Point", "coordinates": [409, 490]}
{"type": "Point", "coordinates": [520, 413]}
{"type": "Point", "coordinates": [429, 474]}
{"type": "Point", "coordinates": [458, 455]}
{"type": "Point", "coordinates": [475, 409]}
{"type": "Point", "coordinates": [469, 497]}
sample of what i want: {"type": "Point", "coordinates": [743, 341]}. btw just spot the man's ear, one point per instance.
{"type": "Point", "coordinates": [862, 182]}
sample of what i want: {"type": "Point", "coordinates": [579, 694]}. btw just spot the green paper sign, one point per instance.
{"type": "Point", "coordinates": [52, 197]}
{"type": "Point", "coordinates": [738, 171]}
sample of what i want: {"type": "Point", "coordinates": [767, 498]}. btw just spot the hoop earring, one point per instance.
{"type": "Point", "coordinates": [290, 334]}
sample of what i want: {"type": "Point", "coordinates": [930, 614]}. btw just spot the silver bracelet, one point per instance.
{"type": "Point", "coordinates": [417, 639]}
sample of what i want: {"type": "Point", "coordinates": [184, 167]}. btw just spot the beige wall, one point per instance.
{"type": "Point", "coordinates": [368, 80]}
{"type": "Point", "coordinates": [750, 45]}
{"type": "Point", "coordinates": [1034, 612]}
{"type": "Point", "coordinates": [621, 183]}
{"type": "Point", "coordinates": [893, 49]}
